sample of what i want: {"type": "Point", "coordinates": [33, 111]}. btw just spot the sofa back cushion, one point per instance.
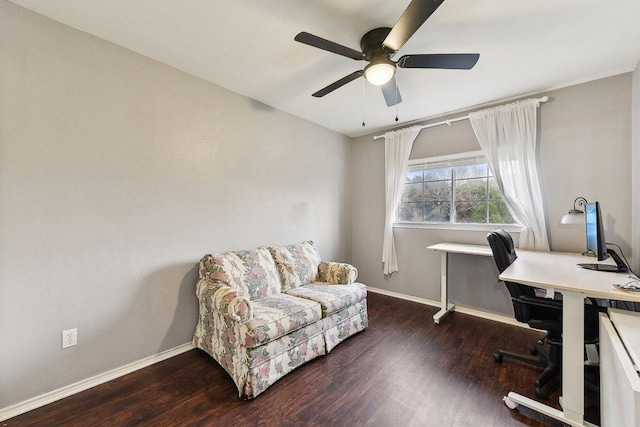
{"type": "Point", "coordinates": [297, 264]}
{"type": "Point", "coordinates": [253, 273]}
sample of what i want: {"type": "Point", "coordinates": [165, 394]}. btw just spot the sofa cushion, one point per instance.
{"type": "Point", "coordinates": [297, 264]}
{"type": "Point", "coordinates": [274, 317]}
{"type": "Point", "coordinates": [253, 273]}
{"type": "Point", "coordinates": [332, 298]}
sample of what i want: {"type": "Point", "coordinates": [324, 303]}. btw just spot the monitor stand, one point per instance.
{"type": "Point", "coordinates": [620, 266]}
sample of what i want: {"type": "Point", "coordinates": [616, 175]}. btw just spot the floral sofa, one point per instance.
{"type": "Point", "coordinates": [266, 311]}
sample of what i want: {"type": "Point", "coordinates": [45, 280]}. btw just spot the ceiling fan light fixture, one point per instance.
{"type": "Point", "coordinates": [379, 72]}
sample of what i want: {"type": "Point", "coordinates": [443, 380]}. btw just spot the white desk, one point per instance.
{"type": "Point", "coordinates": [452, 248]}
{"type": "Point", "coordinates": [558, 270]}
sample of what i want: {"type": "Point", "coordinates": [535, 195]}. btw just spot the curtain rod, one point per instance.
{"type": "Point", "coordinates": [457, 119]}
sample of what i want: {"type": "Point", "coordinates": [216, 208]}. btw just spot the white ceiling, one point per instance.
{"type": "Point", "coordinates": [247, 46]}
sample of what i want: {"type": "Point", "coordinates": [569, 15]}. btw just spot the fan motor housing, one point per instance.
{"type": "Point", "coordinates": [371, 44]}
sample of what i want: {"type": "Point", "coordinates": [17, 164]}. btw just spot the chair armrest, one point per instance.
{"type": "Point", "coordinates": [541, 302]}
{"type": "Point", "coordinates": [225, 300]}
{"type": "Point", "coordinates": [337, 273]}
{"type": "Point", "coordinates": [554, 303]}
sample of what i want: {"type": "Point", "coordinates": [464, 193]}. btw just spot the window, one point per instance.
{"type": "Point", "coordinates": [457, 189]}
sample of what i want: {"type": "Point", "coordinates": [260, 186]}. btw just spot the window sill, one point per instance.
{"type": "Point", "coordinates": [511, 228]}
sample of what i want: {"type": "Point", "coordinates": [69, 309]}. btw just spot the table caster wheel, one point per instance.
{"type": "Point", "coordinates": [510, 403]}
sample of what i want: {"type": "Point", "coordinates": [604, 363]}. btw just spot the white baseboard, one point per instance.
{"type": "Point", "coordinates": [61, 393]}
{"type": "Point", "coordinates": [458, 308]}
{"type": "Point", "coordinates": [403, 296]}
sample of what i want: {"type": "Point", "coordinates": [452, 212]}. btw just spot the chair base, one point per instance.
{"type": "Point", "coordinates": [551, 361]}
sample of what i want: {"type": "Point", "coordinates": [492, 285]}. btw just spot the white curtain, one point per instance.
{"type": "Point", "coordinates": [397, 148]}
{"type": "Point", "coordinates": [508, 137]}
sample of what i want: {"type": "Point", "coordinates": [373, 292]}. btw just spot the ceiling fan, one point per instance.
{"type": "Point", "coordinates": [381, 44]}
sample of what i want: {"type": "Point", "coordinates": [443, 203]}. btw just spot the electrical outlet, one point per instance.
{"type": "Point", "coordinates": [69, 337]}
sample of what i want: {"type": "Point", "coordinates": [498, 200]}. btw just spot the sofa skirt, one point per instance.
{"type": "Point", "coordinates": [341, 325]}
{"type": "Point", "coordinates": [253, 370]}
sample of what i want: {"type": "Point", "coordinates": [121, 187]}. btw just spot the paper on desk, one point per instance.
{"type": "Point", "coordinates": [631, 286]}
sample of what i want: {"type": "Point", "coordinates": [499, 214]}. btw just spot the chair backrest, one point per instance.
{"type": "Point", "coordinates": [504, 253]}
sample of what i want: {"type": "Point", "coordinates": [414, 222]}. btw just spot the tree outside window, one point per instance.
{"type": "Point", "coordinates": [461, 191]}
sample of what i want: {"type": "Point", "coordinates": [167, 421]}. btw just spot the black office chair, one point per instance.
{"type": "Point", "coordinates": [539, 313]}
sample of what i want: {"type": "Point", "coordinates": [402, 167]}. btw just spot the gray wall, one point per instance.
{"type": "Point", "coordinates": [585, 150]}
{"type": "Point", "coordinates": [117, 174]}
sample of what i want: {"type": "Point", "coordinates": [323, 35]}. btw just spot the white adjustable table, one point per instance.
{"type": "Point", "coordinates": [452, 248]}
{"type": "Point", "coordinates": [558, 270]}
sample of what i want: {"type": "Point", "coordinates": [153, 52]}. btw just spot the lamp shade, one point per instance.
{"type": "Point", "coordinates": [574, 216]}
{"type": "Point", "coordinates": [378, 73]}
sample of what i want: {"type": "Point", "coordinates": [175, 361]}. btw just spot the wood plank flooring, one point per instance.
{"type": "Point", "coordinates": [402, 371]}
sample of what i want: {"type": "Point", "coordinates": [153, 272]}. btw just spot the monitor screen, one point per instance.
{"type": "Point", "coordinates": [596, 241]}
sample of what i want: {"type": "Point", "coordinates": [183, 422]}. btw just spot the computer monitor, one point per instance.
{"type": "Point", "coordinates": [597, 243]}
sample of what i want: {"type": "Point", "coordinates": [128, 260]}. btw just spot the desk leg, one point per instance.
{"type": "Point", "coordinates": [573, 356]}
{"type": "Point", "coordinates": [572, 367]}
{"type": "Point", "coordinates": [445, 307]}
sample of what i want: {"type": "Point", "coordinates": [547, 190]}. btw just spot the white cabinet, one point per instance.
{"type": "Point", "coordinates": [619, 378]}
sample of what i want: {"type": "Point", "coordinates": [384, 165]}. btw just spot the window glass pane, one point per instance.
{"type": "Point", "coordinates": [412, 192]}
{"type": "Point", "coordinates": [471, 171]}
{"type": "Point", "coordinates": [414, 176]}
{"type": "Point", "coordinates": [437, 211]}
{"type": "Point", "coordinates": [438, 190]}
{"type": "Point", "coordinates": [445, 190]}
{"type": "Point", "coordinates": [494, 193]}
{"type": "Point", "coordinates": [437, 174]}
{"type": "Point", "coordinates": [471, 212]}
{"type": "Point", "coordinates": [471, 189]}
{"type": "Point", "coordinates": [410, 212]}
{"type": "Point", "coordinates": [498, 213]}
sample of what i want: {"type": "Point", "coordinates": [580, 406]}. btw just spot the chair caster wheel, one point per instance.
{"type": "Point", "coordinates": [533, 350]}
{"type": "Point", "coordinates": [510, 403]}
{"type": "Point", "coordinates": [497, 357]}
{"type": "Point", "coordinates": [541, 394]}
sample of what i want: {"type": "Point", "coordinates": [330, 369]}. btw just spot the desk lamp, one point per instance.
{"type": "Point", "coordinates": [575, 215]}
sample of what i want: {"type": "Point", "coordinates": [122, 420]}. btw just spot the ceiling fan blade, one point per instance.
{"type": "Point", "coordinates": [390, 90]}
{"type": "Point", "coordinates": [449, 61]}
{"type": "Point", "coordinates": [412, 18]}
{"type": "Point", "coordinates": [328, 45]}
{"type": "Point", "coordinates": [337, 84]}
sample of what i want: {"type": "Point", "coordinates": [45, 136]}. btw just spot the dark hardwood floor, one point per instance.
{"type": "Point", "coordinates": [402, 371]}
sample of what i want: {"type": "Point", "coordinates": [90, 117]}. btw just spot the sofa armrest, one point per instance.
{"type": "Point", "coordinates": [337, 273]}
{"type": "Point", "coordinates": [225, 300]}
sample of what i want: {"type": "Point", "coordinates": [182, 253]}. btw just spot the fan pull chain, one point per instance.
{"type": "Point", "coordinates": [363, 103]}
{"type": "Point", "coordinates": [397, 90]}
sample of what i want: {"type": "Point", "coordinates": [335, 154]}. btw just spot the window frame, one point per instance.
{"type": "Point", "coordinates": [454, 160]}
